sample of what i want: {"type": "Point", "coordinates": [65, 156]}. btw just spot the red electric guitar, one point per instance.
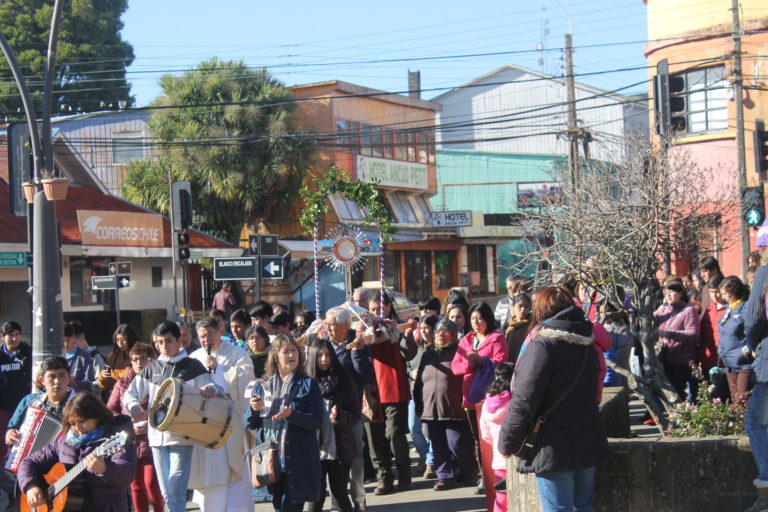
{"type": "Point", "coordinates": [60, 499]}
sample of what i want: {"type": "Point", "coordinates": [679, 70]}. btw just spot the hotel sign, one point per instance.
{"type": "Point", "coordinates": [120, 229]}
{"type": "Point", "coordinates": [392, 173]}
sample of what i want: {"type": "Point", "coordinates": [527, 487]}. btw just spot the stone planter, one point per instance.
{"type": "Point", "coordinates": [29, 191]}
{"type": "Point", "coordinates": [55, 188]}
{"type": "Point", "coordinates": [712, 474]}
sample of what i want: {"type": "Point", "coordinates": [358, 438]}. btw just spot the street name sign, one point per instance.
{"type": "Point", "coordinates": [234, 269]}
{"type": "Point", "coordinates": [271, 267]}
{"type": "Point", "coordinates": [450, 219]}
{"type": "Point", "coordinates": [103, 283]}
{"type": "Point", "coordinates": [13, 259]}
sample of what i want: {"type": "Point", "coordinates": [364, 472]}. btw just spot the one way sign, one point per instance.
{"type": "Point", "coordinates": [124, 281]}
{"type": "Point", "coordinates": [271, 267]}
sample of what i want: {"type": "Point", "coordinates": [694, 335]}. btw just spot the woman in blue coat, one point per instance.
{"type": "Point", "coordinates": [732, 338]}
{"type": "Point", "coordinates": [288, 407]}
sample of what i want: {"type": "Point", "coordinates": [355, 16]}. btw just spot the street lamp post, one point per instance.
{"type": "Point", "coordinates": [47, 339]}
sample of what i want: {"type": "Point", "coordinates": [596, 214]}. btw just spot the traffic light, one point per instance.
{"type": "Point", "coordinates": [753, 206]}
{"type": "Point", "coordinates": [669, 100]}
{"type": "Point", "coordinates": [182, 244]}
{"type": "Point", "coordinates": [761, 146]}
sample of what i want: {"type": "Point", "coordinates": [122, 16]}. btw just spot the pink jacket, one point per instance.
{"type": "Point", "coordinates": [494, 346]}
{"type": "Point", "coordinates": [679, 329]}
{"type": "Point", "coordinates": [602, 345]}
{"type": "Point", "coordinates": [494, 410]}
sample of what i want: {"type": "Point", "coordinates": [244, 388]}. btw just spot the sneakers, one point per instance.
{"type": "Point", "coordinates": [384, 487]}
{"type": "Point", "coordinates": [444, 484]}
{"type": "Point", "coordinates": [429, 472]}
{"type": "Point", "coordinates": [480, 489]}
{"type": "Point", "coordinates": [649, 421]}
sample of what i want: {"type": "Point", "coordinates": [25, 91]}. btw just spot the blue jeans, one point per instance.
{"type": "Point", "coordinates": [173, 464]}
{"type": "Point", "coordinates": [420, 442]}
{"type": "Point", "coordinates": [566, 491]}
{"type": "Point", "coordinates": [756, 423]}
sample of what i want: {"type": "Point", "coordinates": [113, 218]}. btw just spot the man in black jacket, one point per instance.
{"type": "Point", "coordinates": [15, 376]}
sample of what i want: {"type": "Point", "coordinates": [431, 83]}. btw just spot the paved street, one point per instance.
{"type": "Point", "coordinates": [421, 496]}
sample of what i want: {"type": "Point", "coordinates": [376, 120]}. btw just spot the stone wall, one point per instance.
{"type": "Point", "coordinates": [661, 475]}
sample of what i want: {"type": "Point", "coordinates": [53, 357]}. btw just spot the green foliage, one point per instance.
{"type": "Point", "coordinates": [232, 142]}
{"type": "Point", "coordinates": [363, 193]}
{"type": "Point", "coordinates": [709, 417]}
{"type": "Point", "coordinates": [91, 58]}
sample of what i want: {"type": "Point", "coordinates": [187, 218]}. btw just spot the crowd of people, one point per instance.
{"type": "Point", "coordinates": [339, 395]}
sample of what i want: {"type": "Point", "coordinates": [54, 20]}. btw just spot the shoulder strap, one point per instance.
{"type": "Point", "coordinates": [543, 417]}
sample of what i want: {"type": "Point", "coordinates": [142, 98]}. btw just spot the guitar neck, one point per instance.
{"type": "Point", "coordinates": [67, 479]}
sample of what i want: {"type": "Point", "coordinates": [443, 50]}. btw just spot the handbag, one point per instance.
{"type": "Point", "coordinates": [265, 457]}
{"type": "Point", "coordinates": [264, 464]}
{"type": "Point", "coordinates": [525, 449]}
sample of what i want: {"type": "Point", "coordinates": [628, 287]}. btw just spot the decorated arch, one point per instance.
{"type": "Point", "coordinates": [367, 197]}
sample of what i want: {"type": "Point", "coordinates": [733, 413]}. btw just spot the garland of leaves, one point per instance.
{"type": "Point", "coordinates": [363, 193]}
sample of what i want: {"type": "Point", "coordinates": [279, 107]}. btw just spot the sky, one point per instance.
{"type": "Point", "coordinates": [374, 44]}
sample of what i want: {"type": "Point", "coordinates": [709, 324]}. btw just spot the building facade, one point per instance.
{"type": "Point", "coordinates": [696, 39]}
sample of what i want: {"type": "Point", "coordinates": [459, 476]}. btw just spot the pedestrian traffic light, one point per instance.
{"type": "Point", "coordinates": [182, 244]}
{"type": "Point", "coordinates": [669, 100]}
{"type": "Point", "coordinates": [753, 206]}
{"type": "Point", "coordinates": [761, 146]}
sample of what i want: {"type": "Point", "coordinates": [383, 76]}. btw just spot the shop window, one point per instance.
{"type": "Point", "coordinates": [345, 208]}
{"type": "Point", "coordinates": [392, 270]}
{"type": "Point", "coordinates": [422, 148]}
{"type": "Point", "coordinates": [418, 274]}
{"type": "Point", "coordinates": [412, 147]}
{"type": "Point", "coordinates": [445, 262]}
{"type": "Point", "coordinates": [477, 261]}
{"type": "Point", "coordinates": [157, 277]}
{"type": "Point", "coordinates": [80, 272]}
{"type": "Point", "coordinates": [127, 147]}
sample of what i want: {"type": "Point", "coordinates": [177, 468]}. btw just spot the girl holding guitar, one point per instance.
{"type": "Point", "coordinates": [86, 422]}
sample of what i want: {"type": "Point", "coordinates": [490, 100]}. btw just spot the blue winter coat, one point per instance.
{"type": "Point", "coordinates": [732, 339]}
{"type": "Point", "coordinates": [301, 454]}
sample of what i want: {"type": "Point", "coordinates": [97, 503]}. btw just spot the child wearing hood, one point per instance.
{"type": "Point", "coordinates": [494, 409]}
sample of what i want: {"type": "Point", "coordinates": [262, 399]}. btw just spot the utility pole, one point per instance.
{"type": "Point", "coordinates": [740, 145]}
{"type": "Point", "coordinates": [573, 130]}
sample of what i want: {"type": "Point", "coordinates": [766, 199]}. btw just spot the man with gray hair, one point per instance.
{"type": "Point", "coordinates": [338, 323]}
{"type": "Point", "coordinates": [514, 286]}
{"type": "Point", "coordinates": [360, 297]}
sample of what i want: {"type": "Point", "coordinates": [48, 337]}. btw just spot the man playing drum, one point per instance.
{"type": "Point", "coordinates": [220, 477]}
{"type": "Point", "coordinates": [172, 454]}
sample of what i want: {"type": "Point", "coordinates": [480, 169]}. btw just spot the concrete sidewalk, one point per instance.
{"type": "Point", "coordinates": [421, 496]}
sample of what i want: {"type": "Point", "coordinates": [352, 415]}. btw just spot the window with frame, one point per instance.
{"type": "Point", "coordinates": [346, 208]}
{"type": "Point", "coordinates": [81, 270]}
{"type": "Point", "coordinates": [402, 207]}
{"type": "Point", "coordinates": [127, 147]}
{"type": "Point", "coordinates": [706, 93]}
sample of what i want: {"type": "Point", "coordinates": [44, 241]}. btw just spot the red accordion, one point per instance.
{"type": "Point", "coordinates": [39, 429]}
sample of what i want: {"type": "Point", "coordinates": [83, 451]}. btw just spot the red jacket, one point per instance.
{"type": "Point", "coordinates": [709, 337]}
{"type": "Point", "coordinates": [391, 377]}
{"type": "Point", "coordinates": [494, 346]}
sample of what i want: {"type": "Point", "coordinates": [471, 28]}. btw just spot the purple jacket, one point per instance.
{"type": "Point", "coordinates": [107, 493]}
{"type": "Point", "coordinates": [678, 326]}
